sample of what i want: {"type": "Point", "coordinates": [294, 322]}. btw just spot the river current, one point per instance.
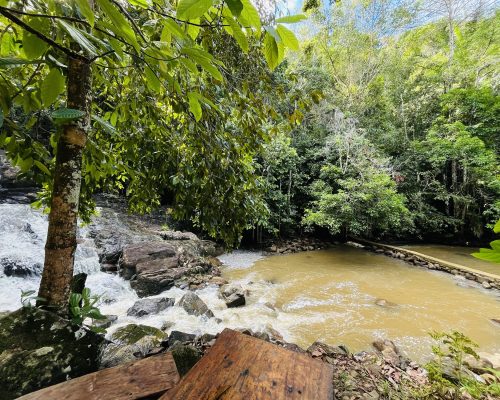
{"type": "Point", "coordinates": [341, 295]}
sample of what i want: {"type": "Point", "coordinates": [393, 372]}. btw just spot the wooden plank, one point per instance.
{"type": "Point", "coordinates": [240, 367]}
{"type": "Point", "coordinates": [151, 376]}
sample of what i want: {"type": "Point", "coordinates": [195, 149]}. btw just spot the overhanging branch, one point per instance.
{"type": "Point", "coordinates": [9, 14]}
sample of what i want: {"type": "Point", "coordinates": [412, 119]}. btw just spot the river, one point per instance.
{"type": "Point", "coordinates": [328, 295]}
{"type": "Point", "coordinates": [456, 254]}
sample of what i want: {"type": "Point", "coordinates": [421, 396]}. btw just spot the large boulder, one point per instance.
{"type": "Point", "coordinates": [194, 305]}
{"type": "Point", "coordinates": [39, 349]}
{"type": "Point", "coordinates": [155, 267]}
{"type": "Point", "coordinates": [233, 295]}
{"type": "Point", "coordinates": [144, 307]}
{"type": "Point", "coordinates": [152, 256]}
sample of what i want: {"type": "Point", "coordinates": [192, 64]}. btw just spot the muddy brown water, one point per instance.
{"type": "Point", "coordinates": [456, 254]}
{"type": "Point", "coordinates": [331, 295]}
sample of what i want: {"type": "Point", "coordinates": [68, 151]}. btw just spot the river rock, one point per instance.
{"type": "Point", "coordinates": [115, 354]}
{"type": "Point", "coordinates": [194, 305]}
{"type": "Point", "coordinates": [151, 256]}
{"type": "Point", "coordinates": [177, 336]}
{"type": "Point", "coordinates": [106, 322]}
{"type": "Point", "coordinates": [233, 295]}
{"type": "Point", "coordinates": [477, 365]}
{"type": "Point", "coordinates": [166, 325]}
{"type": "Point", "coordinates": [144, 307]}
{"type": "Point", "coordinates": [486, 285]}
{"type": "Point", "coordinates": [385, 303]}
{"type": "Point", "coordinates": [177, 235]}
{"type": "Point", "coordinates": [131, 333]}
{"type": "Point", "coordinates": [319, 349]}
{"type": "Point", "coordinates": [389, 351]}
{"type": "Point", "coordinates": [39, 349]}
{"type": "Point", "coordinates": [157, 266]}
{"type": "Point", "coordinates": [20, 268]}
{"type": "Point", "coordinates": [185, 357]}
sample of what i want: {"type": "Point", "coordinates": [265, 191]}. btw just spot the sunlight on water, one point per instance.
{"type": "Point", "coordinates": [324, 295]}
{"type": "Point", "coordinates": [331, 296]}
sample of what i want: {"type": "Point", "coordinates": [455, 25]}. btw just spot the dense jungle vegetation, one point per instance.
{"type": "Point", "coordinates": [403, 138]}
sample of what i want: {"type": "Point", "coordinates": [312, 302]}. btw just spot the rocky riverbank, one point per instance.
{"type": "Point", "coordinates": [61, 351]}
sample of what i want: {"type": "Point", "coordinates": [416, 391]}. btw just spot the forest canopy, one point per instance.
{"type": "Point", "coordinates": [376, 118]}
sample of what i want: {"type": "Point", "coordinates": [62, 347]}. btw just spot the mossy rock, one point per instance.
{"type": "Point", "coordinates": [39, 349]}
{"type": "Point", "coordinates": [132, 333]}
{"type": "Point", "coordinates": [185, 357]}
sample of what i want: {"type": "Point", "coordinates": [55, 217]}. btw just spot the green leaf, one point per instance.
{"type": "Point", "coordinates": [193, 30]}
{"type": "Point", "coordinates": [271, 51]}
{"type": "Point", "coordinates": [172, 27]}
{"type": "Point", "coordinates": [33, 47]}
{"type": "Point", "coordinates": [10, 62]}
{"type": "Point", "coordinates": [190, 9]}
{"type": "Point", "coordinates": [495, 245]}
{"type": "Point", "coordinates": [189, 65]}
{"type": "Point", "coordinates": [288, 37]}
{"type": "Point", "coordinates": [210, 68]}
{"type": "Point", "coordinates": [67, 114]}
{"type": "Point", "coordinates": [270, 30]}
{"type": "Point", "coordinates": [488, 255]}
{"type": "Point", "coordinates": [77, 35]}
{"type": "Point", "coordinates": [1, 117]}
{"type": "Point", "coordinates": [52, 86]}
{"type": "Point", "coordinates": [194, 105]}
{"type": "Point", "coordinates": [140, 3]}
{"type": "Point", "coordinates": [119, 24]}
{"type": "Point", "coordinates": [496, 228]}
{"type": "Point", "coordinates": [24, 163]}
{"type": "Point", "coordinates": [86, 11]}
{"type": "Point", "coordinates": [204, 59]}
{"type": "Point", "coordinates": [249, 15]}
{"type": "Point", "coordinates": [238, 34]}
{"type": "Point", "coordinates": [235, 6]}
{"type": "Point", "coordinates": [152, 80]}
{"type": "Point", "coordinates": [42, 167]}
{"type": "Point", "coordinates": [290, 19]}
{"type": "Point", "coordinates": [104, 124]}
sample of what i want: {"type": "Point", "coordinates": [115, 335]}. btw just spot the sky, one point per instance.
{"type": "Point", "coordinates": [293, 6]}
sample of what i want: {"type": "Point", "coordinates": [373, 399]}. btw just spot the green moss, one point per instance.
{"type": "Point", "coordinates": [132, 333]}
{"type": "Point", "coordinates": [39, 349]}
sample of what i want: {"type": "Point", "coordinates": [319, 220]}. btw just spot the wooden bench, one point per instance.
{"type": "Point", "coordinates": [146, 378]}
{"type": "Point", "coordinates": [240, 367]}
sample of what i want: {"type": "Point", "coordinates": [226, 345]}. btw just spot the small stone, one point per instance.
{"type": "Point", "coordinates": [144, 307]}
{"type": "Point", "coordinates": [486, 285]}
{"type": "Point", "coordinates": [233, 295]}
{"type": "Point", "coordinates": [193, 305]}
{"type": "Point", "coordinates": [167, 325]}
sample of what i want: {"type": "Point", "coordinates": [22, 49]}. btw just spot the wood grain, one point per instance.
{"type": "Point", "coordinates": [151, 376]}
{"type": "Point", "coordinates": [240, 367]}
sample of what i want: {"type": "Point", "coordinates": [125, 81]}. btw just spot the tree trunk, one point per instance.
{"type": "Point", "coordinates": [60, 247]}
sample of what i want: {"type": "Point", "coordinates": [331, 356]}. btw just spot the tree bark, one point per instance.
{"type": "Point", "coordinates": [60, 247]}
